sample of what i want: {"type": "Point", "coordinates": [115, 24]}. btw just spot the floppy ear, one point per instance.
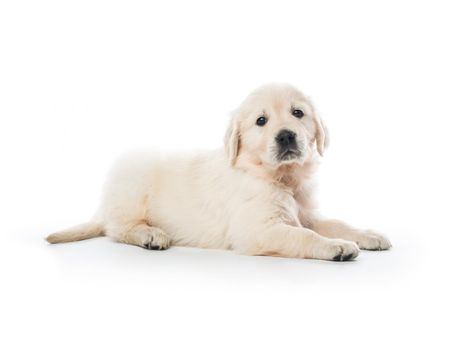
{"type": "Point", "coordinates": [322, 139]}
{"type": "Point", "coordinates": [232, 140]}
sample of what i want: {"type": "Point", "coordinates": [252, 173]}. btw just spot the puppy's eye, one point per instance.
{"type": "Point", "coordinates": [261, 121]}
{"type": "Point", "coordinates": [298, 113]}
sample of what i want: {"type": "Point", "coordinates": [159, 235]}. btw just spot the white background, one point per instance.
{"type": "Point", "coordinates": [81, 82]}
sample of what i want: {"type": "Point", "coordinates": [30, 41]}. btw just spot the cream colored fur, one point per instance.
{"type": "Point", "coordinates": [240, 198]}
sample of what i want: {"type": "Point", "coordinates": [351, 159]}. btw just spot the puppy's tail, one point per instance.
{"type": "Point", "coordinates": [77, 233]}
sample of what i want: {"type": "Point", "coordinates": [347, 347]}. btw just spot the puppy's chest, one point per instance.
{"type": "Point", "coordinates": [292, 207]}
{"type": "Point", "coordinates": [304, 208]}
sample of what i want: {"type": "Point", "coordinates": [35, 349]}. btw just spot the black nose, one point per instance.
{"type": "Point", "coordinates": [286, 138]}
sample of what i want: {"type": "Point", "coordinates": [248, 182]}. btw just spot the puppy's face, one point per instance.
{"type": "Point", "coordinates": [274, 126]}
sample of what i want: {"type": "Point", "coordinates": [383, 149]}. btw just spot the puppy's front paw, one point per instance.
{"type": "Point", "coordinates": [342, 250]}
{"type": "Point", "coordinates": [370, 240]}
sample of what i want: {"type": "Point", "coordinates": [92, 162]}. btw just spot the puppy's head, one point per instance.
{"type": "Point", "coordinates": [275, 125]}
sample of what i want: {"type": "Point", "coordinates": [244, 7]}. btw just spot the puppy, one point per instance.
{"type": "Point", "coordinates": [253, 197]}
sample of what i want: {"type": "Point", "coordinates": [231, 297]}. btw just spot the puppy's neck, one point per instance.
{"type": "Point", "coordinates": [289, 176]}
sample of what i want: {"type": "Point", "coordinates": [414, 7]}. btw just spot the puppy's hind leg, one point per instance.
{"type": "Point", "coordinates": [140, 234]}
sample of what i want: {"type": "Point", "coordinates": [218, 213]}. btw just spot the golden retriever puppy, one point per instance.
{"type": "Point", "coordinates": [253, 197]}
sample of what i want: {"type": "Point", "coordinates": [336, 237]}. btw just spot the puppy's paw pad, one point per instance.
{"type": "Point", "coordinates": [371, 240]}
{"type": "Point", "coordinates": [341, 257]}
{"type": "Point", "coordinates": [150, 246]}
{"type": "Point", "coordinates": [345, 250]}
{"type": "Point", "coordinates": [156, 240]}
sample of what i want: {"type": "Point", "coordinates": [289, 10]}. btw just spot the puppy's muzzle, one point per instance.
{"type": "Point", "coordinates": [287, 145]}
